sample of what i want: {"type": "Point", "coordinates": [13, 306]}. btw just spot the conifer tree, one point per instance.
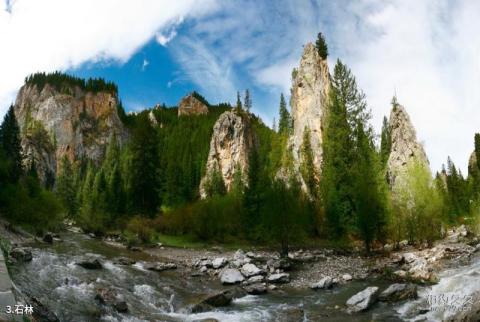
{"type": "Point", "coordinates": [10, 141]}
{"type": "Point", "coordinates": [321, 45]}
{"type": "Point", "coordinates": [385, 142]}
{"type": "Point", "coordinates": [144, 185]}
{"type": "Point", "coordinates": [247, 101]}
{"type": "Point", "coordinates": [307, 167]}
{"type": "Point", "coordinates": [285, 120]}
{"type": "Point", "coordinates": [65, 186]}
{"type": "Point", "coordinates": [238, 106]}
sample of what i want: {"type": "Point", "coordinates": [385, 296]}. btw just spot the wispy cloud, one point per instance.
{"type": "Point", "coordinates": [427, 51]}
{"type": "Point", "coordinates": [56, 35]}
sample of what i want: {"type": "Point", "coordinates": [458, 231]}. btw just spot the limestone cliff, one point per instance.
{"type": "Point", "coordinates": [309, 95]}
{"type": "Point", "coordinates": [192, 105]}
{"type": "Point", "coordinates": [70, 122]}
{"type": "Point", "coordinates": [231, 143]}
{"type": "Point", "coordinates": [405, 147]}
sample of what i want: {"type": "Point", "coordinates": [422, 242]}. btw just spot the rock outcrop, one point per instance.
{"type": "Point", "coordinates": [230, 146]}
{"type": "Point", "coordinates": [71, 122]}
{"type": "Point", "coordinates": [405, 147]}
{"type": "Point", "coordinates": [191, 105]}
{"type": "Point", "coordinates": [309, 96]}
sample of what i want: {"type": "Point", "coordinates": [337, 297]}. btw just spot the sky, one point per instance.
{"type": "Point", "coordinates": [427, 52]}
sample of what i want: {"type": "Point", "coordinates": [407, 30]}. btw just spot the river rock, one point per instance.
{"type": "Point", "coordinates": [41, 312]}
{"type": "Point", "coordinates": [398, 292]}
{"type": "Point", "coordinates": [282, 263]}
{"type": "Point", "coordinates": [249, 270]}
{"type": "Point", "coordinates": [324, 283]}
{"type": "Point", "coordinates": [255, 279]}
{"type": "Point", "coordinates": [231, 276]}
{"type": "Point", "coordinates": [256, 289]}
{"type": "Point", "coordinates": [362, 300]}
{"type": "Point", "coordinates": [160, 267]}
{"type": "Point", "coordinates": [21, 254]}
{"type": "Point", "coordinates": [347, 277]}
{"type": "Point", "coordinates": [207, 320]}
{"type": "Point", "coordinates": [279, 278]}
{"type": "Point", "coordinates": [215, 300]}
{"type": "Point", "coordinates": [107, 296]}
{"type": "Point", "coordinates": [89, 263]}
{"type": "Point", "coordinates": [48, 238]}
{"type": "Point", "coordinates": [124, 261]}
{"type": "Point", "coordinates": [219, 262]}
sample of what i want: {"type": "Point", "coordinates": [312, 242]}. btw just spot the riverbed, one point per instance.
{"type": "Point", "coordinates": [69, 290]}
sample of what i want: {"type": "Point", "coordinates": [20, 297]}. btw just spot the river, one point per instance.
{"type": "Point", "coordinates": [69, 290]}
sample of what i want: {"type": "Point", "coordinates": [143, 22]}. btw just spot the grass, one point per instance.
{"type": "Point", "coordinates": [189, 241]}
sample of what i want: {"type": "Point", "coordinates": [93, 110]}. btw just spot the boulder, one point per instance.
{"type": "Point", "coordinates": [214, 300]}
{"type": "Point", "coordinates": [124, 261]}
{"type": "Point", "coordinates": [21, 254]}
{"type": "Point", "coordinates": [231, 276]}
{"type": "Point", "coordinates": [347, 277]}
{"type": "Point", "coordinates": [324, 283]}
{"type": "Point", "coordinates": [160, 267]}
{"type": "Point", "coordinates": [292, 314]}
{"type": "Point", "coordinates": [282, 263]}
{"type": "Point", "coordinates": [107, 296]}
{"type": "Point", "coordinates": [219, 262]}
{"type": "Point", "coordinates": [398, 292]}
{"type": "Point", "coordinates": [362, 300]}
{"type": "Point", "coordinates": [279, 278]}
{"type": "Point", "coordinates": [256, 289]}
{"type": "Point", "coordinates": [255, 279]}
{"type": "Point", "coordinates": [249, 270]}
{"type": "Point", "coordinates": [89, 263]}
{"type": "Point", "coordinates": [48, 238]}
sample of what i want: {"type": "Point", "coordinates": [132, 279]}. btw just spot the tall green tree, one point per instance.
{"type": "Point", "coordinates": [65, 188]}
{"type": "Point", "coordinates": [321, 45]}
{"type": "Point", "coordinates": [307, 166]}
{"type": "Point", "coordinates": [385, 142]}
{"type": "Point", "coordinates": [336, 187]}
{"type": "Point", "coordinates": [238, 105]}
{"type": "Point", "coordinates": [10, 141]}
{"type": "Point", "coordinates": [248, 100]}
{"type": "Point", "coordinates": [285, 120]}
{"type": "Point", "coordinates": [144, 185]}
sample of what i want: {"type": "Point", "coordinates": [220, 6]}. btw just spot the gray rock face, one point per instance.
{"type": "Point", "coordinates": [190, 105]}
{"type": "Point", "coordinates": [231, 276]}
{"type": "Point", "coordinates": [309, 95]}
{"type": "Point", "coordinates": [324, 283]}
{"type": "Point", "coordinates": [362, 300]}
{"type": "Point", "coordinates": [399, 292]}
{"type": "Point", "coordinates": [405, 147]}
{"type": "Point", "coordinates": [279, 278]}
{"type": "Point", "coordinates": [55, 124]}
{"type": "Point", "coordinates": [231, 142]}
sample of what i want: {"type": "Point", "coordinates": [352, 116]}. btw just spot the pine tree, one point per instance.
{"type": "Point", "coordinates": [215, 185]}
{"type": "Point", "coordinates": [10, 141]}
{"type": "Point", "coordinates": [239, 102]}
{"type": "Point", "coordinates": [285, 121]}
{"type": "Point", "coordinates": [144, 185]}
{"type": "Point", "coordinates": [385, 142]}
{"type": "Point", "coordinates": [247, 101]}
{"type": "Point", "coordinates": [65, 186]}
{"type": "Point", "coordinates": [321, 45]}
{"type": "Point", "coordinates": [336, 187]}
{"type": "Point", "coordinates": [307, 167]}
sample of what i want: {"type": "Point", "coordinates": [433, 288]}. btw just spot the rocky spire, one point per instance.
{"type": "Point", "coordinates": [192, 105]}
{"type": "Point", "coordinates": [309, 95]}
{"type": "Point", "coordinates": [405, 147]}
{"type": "Point", "coordinates": [72, 122]}
{"type": "Point", "coordinates": [230, 146]}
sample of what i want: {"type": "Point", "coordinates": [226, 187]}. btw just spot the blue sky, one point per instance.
{"type": "Point", "coordinates": [428, 52]}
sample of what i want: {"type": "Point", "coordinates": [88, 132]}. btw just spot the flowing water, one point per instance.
{"type": "Point", "coordinates": [69, 290]}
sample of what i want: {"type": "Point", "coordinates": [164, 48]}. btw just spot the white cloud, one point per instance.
{"type": "Point", "coordinates": [53, 35]}
{"type": "Point", "coordinates": [163, 39]}
{"type": "Point", "coordinates": [428, 51]}
{"type": "Point", "coordinates": [145, 64]}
